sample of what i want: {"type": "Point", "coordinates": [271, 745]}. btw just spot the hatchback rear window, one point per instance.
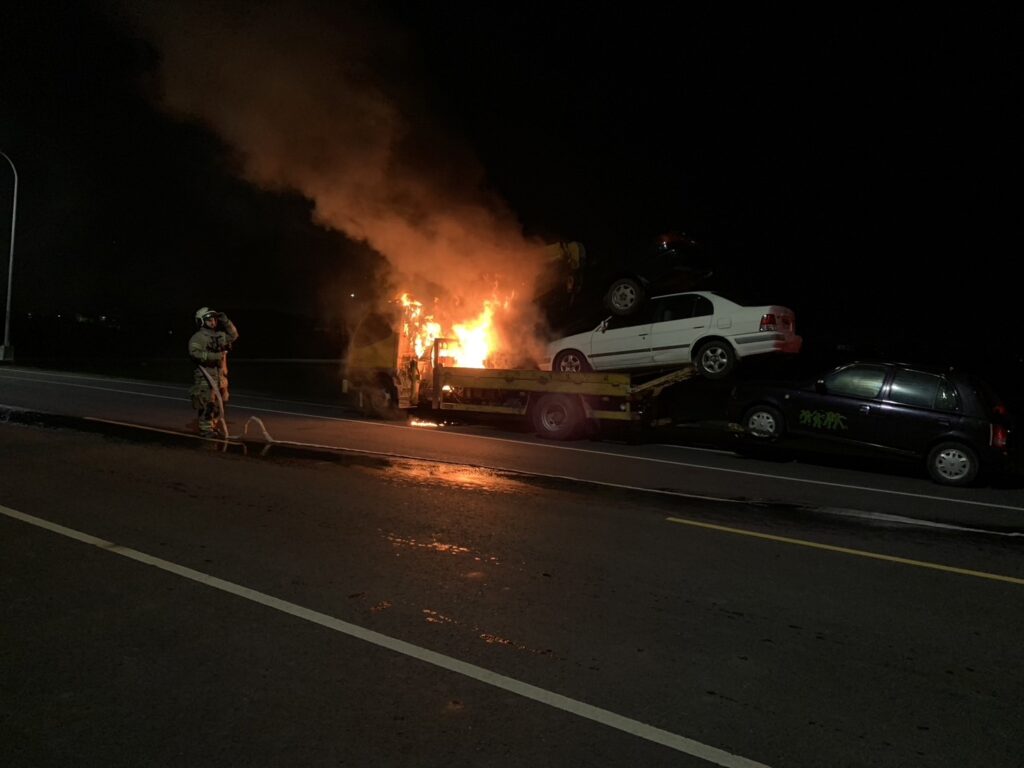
{"type": "Point", "coordinates": [856, 381]}
{"type": "Point", "coordinates": [990, 400]}
{"type": "Point", "coordinates": [925, 390]}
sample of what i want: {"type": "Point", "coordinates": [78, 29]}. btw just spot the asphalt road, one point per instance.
{"type": "Point", "coordinates": [171, 601]}
{"type": "Point", "coordinates": [173, 604]}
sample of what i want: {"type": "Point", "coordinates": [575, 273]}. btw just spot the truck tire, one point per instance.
{"type": "Point", "coordinates": [557, 417]}
{"type": "Point", "coordinates": [379, 400]}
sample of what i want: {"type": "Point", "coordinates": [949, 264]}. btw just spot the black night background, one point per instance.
{"type": "Point", "coordinates": [862, 168]}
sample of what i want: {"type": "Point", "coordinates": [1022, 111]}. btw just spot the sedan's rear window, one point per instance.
{"type": "Point", "coordinates": [682, 307]}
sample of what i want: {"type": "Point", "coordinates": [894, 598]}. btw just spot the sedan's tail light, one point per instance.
{"type": "Point", "coordinates": [768, 322]}
{"type": "Point", "coordinates": [998, 436]}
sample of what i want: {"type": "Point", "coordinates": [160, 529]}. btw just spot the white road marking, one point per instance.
{"type": "Point", "coordinates": [182, 398]}
{"type": "Point", "coordinates": [744, 472]}
{"type": "Point", "coordinates": [100, 389]}
{"type": "Point", "coordinates": [901, 520]}
{"type": "Point", "coordinates": [694, 448]}
{"type": "Point", "coordinates": [558, 701]}
{"type": "Point", "coordinates": [83, 377]}
{"type": "Point", "coordinates": [152, 384]}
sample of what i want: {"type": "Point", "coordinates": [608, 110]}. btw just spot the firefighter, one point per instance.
{"type": "Point", "coordinates": [208, 349]}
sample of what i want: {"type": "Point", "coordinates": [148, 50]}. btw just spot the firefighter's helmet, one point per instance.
{"type": "Point", "coordinates": [202, 313]}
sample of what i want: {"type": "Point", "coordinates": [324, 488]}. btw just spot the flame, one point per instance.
{"type": "Point", "coordinates": [475, 339]}
{"type": "Point", "coordinates": [472, 342]}
{"type": "Point", "coordinates": [419, 329]}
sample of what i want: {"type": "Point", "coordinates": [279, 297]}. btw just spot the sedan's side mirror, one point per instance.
{"type": "Point", "coordinates": [603, 326]}
{"type": "Point", "coordinates": [819, 387]}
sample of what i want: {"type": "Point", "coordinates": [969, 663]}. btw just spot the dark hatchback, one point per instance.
{"type": "Point", "coordinates": [954, 421]}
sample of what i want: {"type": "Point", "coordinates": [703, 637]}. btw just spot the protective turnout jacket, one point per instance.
{"type": "Point", "coordinates": [208, 349]}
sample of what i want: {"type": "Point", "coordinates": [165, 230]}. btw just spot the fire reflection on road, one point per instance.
{"type": "Point", "coordinates": [434, 617]}
{"type": "Point", "coordinates": [441, 547]}
{"type": "Point", "coordinates": [455, 476]}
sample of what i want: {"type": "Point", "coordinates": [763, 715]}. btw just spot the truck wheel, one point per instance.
{"type": "Point", "coordinates": [557, 417]}
{"type": "Point", "coordinates": [570, 361]}
{"type": "Point", "coordinates": [380, 401]}
{"type": "Point", "coordinates": [952, 464]}
{"type": "Point", "coordinates": [715, 359]}
{"type": "Point", "coordinates": [624, 297]}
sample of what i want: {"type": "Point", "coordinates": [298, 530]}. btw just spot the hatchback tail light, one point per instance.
{"type": "Point", "coordinates": [998, 436]}
{"type": "Point", "coordinates": [768, 322]}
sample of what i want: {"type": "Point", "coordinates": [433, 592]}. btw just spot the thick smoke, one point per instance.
{"type": "Point", "coordinates": [322, 100]}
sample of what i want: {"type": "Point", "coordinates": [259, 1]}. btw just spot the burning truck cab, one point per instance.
{"type": "Point", "coordinates": [393, 353]}
{"type": "Point", "coordinates": [393, 356]}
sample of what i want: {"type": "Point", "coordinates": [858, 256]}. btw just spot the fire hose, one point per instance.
{"type": "Point", "coordinates": [222, 422]}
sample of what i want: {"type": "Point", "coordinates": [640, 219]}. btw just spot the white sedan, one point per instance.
{"type": "Point", "coordinates": [698, 327]}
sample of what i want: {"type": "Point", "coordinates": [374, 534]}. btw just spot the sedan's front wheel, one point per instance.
{"type": "Point", "coordinates": [570, 361]}
{"type": "Point", "coordinates": [953, 463]}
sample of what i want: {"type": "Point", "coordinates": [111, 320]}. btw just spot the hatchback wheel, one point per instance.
{"type": "Point", "coordinates": [953, 464]}
{"type": "Point", "coordinates": [764, 423]}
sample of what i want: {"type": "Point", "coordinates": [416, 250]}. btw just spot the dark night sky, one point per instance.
{"type": "Point", "coordinates": [861, 168]}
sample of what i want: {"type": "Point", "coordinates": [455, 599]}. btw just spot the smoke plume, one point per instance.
{"type": "Point", "coordinates": [325, 100]}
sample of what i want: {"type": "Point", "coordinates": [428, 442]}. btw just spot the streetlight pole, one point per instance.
{"type": "Point", "coordinates": [7, 351]}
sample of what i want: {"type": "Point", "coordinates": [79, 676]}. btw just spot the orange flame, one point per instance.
{"type": "Point", "coordinates": [473, 341]}
{"type": "Point", "coordinates": [418, 328]}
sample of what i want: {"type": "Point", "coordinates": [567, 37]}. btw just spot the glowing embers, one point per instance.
{"type": "Point", "coordinates": [424, 424]}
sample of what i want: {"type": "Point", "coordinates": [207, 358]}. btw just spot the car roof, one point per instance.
{"type": "Point", "coordinates": [939, 370]}
{"type": "Point", "coordinates": [684, 293]}
{"type": "Point", "coordinates": [896, 364]}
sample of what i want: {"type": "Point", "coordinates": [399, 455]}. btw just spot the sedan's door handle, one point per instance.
{"type": "Point", "coordinates": [865, 409]}
{"type": "Point", "coordinates": [943, 423]}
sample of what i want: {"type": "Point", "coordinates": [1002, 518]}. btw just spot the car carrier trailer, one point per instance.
{"type": "Point", "coordinates": [385, 377]}
{"type": "Point", "coordinates": [560, 406]}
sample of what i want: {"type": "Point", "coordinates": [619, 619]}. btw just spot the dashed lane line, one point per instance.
{"type": "Point", "coordinates": [854, 552]}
